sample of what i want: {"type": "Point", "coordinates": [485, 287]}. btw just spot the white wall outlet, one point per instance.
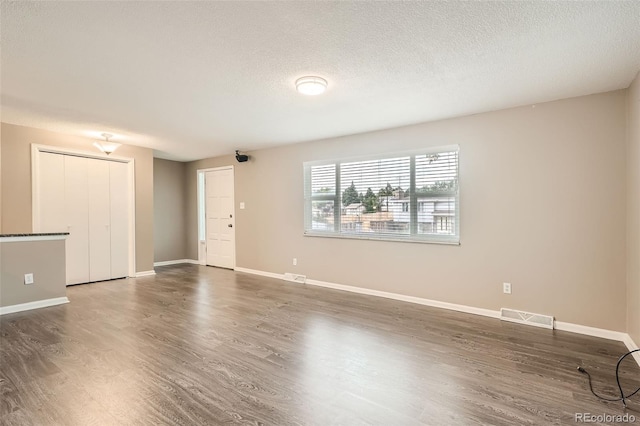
{"type": "Point", "coordinates": [242, 206]}
{"type": "Point", "coordinates": [295, 261]}
{"type": "Point", "coordinates": [28, 279]}
{"type": "Point", "coordinates": [506, 288]}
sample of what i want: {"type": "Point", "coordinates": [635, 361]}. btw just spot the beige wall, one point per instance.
{"type": "Point", "coordinates": [633, 211]}
{"type": "Point", "coordinates": [0, 179]}
{"type": "Point", "coordinates": [44, 259]}
{"type": "Point", "coordinates": [542, 207]}
{"type": "Point", "coordinates": [169, 207]}
{"type": "Point", "coordinates": [16, 182]}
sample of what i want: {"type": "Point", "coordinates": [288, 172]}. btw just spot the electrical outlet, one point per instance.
{"type": "Point", "coordinates": [242, 206]}
{"type": "Point", "coordinates": [295, 261]}
{"type": "Point", "coordinates": [506, 288]}
{"type": "Point", "coordinates": [28, 279]}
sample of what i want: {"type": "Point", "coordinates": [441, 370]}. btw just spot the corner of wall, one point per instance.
{"type": "Point", "coordinates": [633, 210]}
{"type": "Point", "coordinates": [1, 178]}
{"type": "Point", "coordinates": [170, 210]}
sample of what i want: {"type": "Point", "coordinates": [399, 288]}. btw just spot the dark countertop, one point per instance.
{"type": "Point", "coordinates": [41, 234]}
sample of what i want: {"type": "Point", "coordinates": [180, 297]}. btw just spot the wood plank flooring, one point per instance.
{"type": "Point", "coordinates": [197, 345]}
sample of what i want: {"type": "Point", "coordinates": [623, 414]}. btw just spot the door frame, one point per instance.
{"type": "Point", "coordinates": [37, 149]}
{"type": "Point", "coordinates": [202, 222]}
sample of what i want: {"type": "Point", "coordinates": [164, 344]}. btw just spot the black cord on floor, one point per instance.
{"type": "Point", "coordinates": [622, 397]}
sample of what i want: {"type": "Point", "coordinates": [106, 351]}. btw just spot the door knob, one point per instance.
{"type": "Point", "coordinates": [230, 225]}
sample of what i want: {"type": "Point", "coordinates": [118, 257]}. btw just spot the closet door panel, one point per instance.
{"type": "Point", "coordinates": [99, 220]}
{"type": "Point", "coordinates": [77, 217]}
{"type": "Point", "coordinates": [51, 217]}
{"type": "Point", "coordinates": [119, 220]}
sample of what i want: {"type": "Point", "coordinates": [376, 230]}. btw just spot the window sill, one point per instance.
{"type": "Point", "coordinates": [443, 241]}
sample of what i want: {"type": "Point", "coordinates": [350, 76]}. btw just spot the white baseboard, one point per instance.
{"type": "Point", "coordinates": [261, 273]}
{"type": "Point", "coordinates": [388, 295]}
{"type": "Point", "coordinates": [175, 262]}
{"type": "Point", "coordinates": [591, 331]}
{"type": "Point", "coordinates": [559, 325]}
{"type": "Point", "coordinates": [145, 273]}
{"type": "Point", "coordinates": [410, 299]}
{"type": "Point", "coordinates": [33, 305]}
{"type": "Point", "coordinates": [631, 345]}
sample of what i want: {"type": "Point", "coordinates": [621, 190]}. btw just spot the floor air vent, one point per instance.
{"type": "Point", "coordinates": [521, 317]}
{"type": "Point", "coordinates": [294, 278]}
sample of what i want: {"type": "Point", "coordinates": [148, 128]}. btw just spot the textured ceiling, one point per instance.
{"type": "Point", "coordinates": [199, 79]}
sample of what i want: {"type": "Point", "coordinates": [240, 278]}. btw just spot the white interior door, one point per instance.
{"type": "Point", "coordinates": [119, 205]}
{"type": "Point", "coordinates": [51, 194]}
{"type": "Point", "coordinates": [220, 215]}
{"type": "Point", "coordinates": [99, 221]}
{"type": "Point", "coordinates": [77, 217]}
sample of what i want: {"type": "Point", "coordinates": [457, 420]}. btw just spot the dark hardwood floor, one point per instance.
{"type": "Point", "coordinates": [199, 345]}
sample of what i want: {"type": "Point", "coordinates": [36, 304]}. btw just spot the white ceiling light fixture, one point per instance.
{"type": "Point", "coordinates": [106, 146]}
{"type": "Point", "coordinates": [311, 85]}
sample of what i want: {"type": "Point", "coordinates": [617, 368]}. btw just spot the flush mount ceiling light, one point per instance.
{"type": "Point", "coordinates": [106, 146]}
{"type": "Point", "coordinates": [311, 85]}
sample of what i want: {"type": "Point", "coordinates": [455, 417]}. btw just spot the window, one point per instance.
{"type": "Point", "coordinates": [404, 196]}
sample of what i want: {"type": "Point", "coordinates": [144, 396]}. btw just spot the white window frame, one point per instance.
{"type": "Point", "coordinates": [414, 198]}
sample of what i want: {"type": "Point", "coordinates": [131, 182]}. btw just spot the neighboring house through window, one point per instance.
{"type": "Point", "coordinates": [398, 196]}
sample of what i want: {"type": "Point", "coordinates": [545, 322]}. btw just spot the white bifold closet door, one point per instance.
{"type": "Point", "coordinates": [77, 215]}
{"type": "Point", "coordinates": [52, 215]}
{"type": "Point", "coordinates": [99, 221]}
{"type": "Point", "coordinates": [89, 199]}
{"type": "Point", "coordinates": [119, 205]}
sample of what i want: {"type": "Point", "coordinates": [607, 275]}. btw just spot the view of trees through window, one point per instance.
{"type": "Point", "coordinates": [378, 196]}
